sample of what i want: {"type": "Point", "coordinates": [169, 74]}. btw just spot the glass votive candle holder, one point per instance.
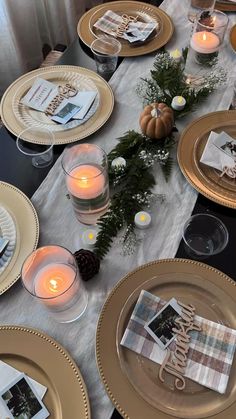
{"type": "Point", "coordinates": [198, 6]}
{"type": "Point", "coordinates": [206, 41]}
{"type": "Point", "coordinates": [51, 275]}
{"type": "Point", "coordinates": [86, 172]}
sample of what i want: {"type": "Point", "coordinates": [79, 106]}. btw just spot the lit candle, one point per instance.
{"type": "Point", "coordinates": [142, 219]}
{"type": "Point", "coordinates": [178, 103]}
{"type": "Point", "coordinates": [176, 55]}
{"type": "Point", "coordinates": [53, 283]}
{"type": "Point", "coordinates": [89, 237]}
{"type": "Point", "coordinates": [205, 42]}
{"type": "Point", "coordinates": [118, 162]}
{"type": "Point", "coordinates": [86, 181]}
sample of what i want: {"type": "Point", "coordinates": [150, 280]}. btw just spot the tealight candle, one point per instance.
{"type": "Point", "coordinates": [89, 237]}
{"type": "Point", "coordinates": [85, 181]}
{"type": "Point", "coordinates": [205, 42]}
{"type": "Point", "coordinates": [142, 219]}
{"type": "Point", "coordinates": [178, 103]}
{"type": "Point", "coordinates": [118, 162]}
{"type": "Point", "coordinates": [176, 55]}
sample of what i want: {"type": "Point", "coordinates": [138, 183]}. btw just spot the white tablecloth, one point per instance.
{"type": "Point", "coordinates": [58, 224]}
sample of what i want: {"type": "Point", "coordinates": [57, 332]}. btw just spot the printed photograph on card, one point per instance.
{"type": "Point", "coordinates": [21, 400]}
{"type": "Point", "coordinates": [226, 144]}
{"type": "Point", "coordinates": [160, 327]}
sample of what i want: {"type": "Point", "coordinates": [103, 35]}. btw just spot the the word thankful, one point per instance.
{"type": "Point", "coordinates": [175, 362]}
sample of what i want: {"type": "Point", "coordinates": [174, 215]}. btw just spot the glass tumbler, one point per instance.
{"type": "Point", "coordinates": [86, 170]}
{"type": "Point", "coordinates": [204, 235]}
{"type": "Point", "coordinates": [105, 51]}
{"type": "Point", "coordinates": [51, 275]}
{"type": "Point", "coordinates": [41, 154]}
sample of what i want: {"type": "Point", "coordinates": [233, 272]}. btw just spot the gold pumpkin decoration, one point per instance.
{"type": "Point", "coordinates": [156, 120]}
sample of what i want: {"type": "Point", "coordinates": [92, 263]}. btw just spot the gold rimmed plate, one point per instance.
{"type": "Point", "coordinates": [225, 6]}
{"type": "Point", "coordinates": [144, 12]}
{"type": "Point", "coordinates": [232, 37]}
{"type": "Point", "coordinates": [16, 116]}
{"type": "Point", "coordinates": [27, 231]}
{"type": "Point", "coordinates": [203, 178]}
{"type": "Point", "coordinates": [131, 380]}
{"type": "Point", "coordinates": [43, 359]}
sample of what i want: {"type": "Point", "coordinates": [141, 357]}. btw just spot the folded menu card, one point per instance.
{"type": "Point", "coordinates": [220, 151]}
{"type": "Point", "coordinates": [211, 350]}
{"type": "Point", "coordinates": [111, 23]}
{"type": "Point", "coordinates": [11, 378]}
{"type": "Point", "coordinates": [74, 104]}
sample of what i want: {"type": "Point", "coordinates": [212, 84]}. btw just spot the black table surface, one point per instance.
{"type": "Point", "coordinates": [18, 170]}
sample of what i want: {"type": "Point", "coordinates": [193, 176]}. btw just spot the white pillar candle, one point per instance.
{"type": "Point", "coordinates": [85, 181]}
{"type": "Point", "coordinates": [118, 162]}
{"type": "Point", "coordinates": [178, 103]}
{"type": "Point", "coordinates": [142, 219]}
{"type": "Point", "coordinates": [205, 42]}
{"type": "Point", "coordinates": [53, 283]}
{"type": "Point", "coordinates": [176, 55]}
{"type": "Point", "coordinates": [89, 237]}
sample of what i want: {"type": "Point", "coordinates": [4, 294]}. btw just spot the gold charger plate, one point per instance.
{"type": "Point", "coordinates": [225, 6]}
{"type": "Point", "coordinates": [145, 12]}
{"type": "Point", "coordinates": [232, 37]}
{"type": "Point", "coordinates": [27, 231]}
{"type": "Point", "coordinates": [16, 116]}
{"type": "Point", "coordinates": [130, 379]}
{"type": "Point", "coordinates": [42, 358]}
{"type": "Point", "coordinates": [203, 178]}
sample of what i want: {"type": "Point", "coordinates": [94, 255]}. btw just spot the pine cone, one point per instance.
{"type": "Point", "coordinates": [88, 263]}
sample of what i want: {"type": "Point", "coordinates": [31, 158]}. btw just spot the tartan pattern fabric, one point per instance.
{"type": "Point", "coordinates": [211, 351]}
{"type": "Point", "coordinates": [110, 21]}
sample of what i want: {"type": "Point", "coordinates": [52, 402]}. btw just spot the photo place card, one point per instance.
{"type": "Point", "coordinates": [161, 325]}
{"type": "Point", "coordinates": [218, 152]}
{"type": "Point", "coordinates": [21, 401]}
{"type": "Point", "coordinates": [225, 144]}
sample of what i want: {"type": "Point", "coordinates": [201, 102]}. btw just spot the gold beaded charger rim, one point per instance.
{"type": "Point", "coordinates": [16, 122]}
{"type": "Point", "coordinates": [45, 360]}
{"type": "Point", "coordinates": [203, 178]}
{"type": "Point", "coordinates": [131, 381]}
{"type": "Point", "coordinates": [148, 12]}
{"type": "Point", "coordinates": [27, 231]}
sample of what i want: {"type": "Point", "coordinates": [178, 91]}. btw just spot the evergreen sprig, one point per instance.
{"type": "Point", "coordinates": [132, 185]}
{"type": "Point", "coordinates": [169, 80]}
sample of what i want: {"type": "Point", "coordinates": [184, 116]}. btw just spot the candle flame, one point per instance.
{"type": "Point", "coordinates": [84, 179]}
{"type": "Point", "coordinates": [142, 217]}
{"type": "Point", "coordinates": [204, 37]}
{"type": "Point", "coordinates": [91, 236]}
{"type": "Point", "coordinates": [53, 285]}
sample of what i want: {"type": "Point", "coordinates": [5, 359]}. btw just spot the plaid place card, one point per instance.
{"type": "Point", "coordinates": [110, 22]}
{"type": "Point", "coordinates": [211, 351]}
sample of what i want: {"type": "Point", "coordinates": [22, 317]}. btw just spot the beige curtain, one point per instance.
{"type": "Point", "coordinates": [26, 25]}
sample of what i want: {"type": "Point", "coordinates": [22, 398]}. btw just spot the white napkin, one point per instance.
{"type": "Point", "coordinates": [213, 156]}
{"type": "Point", "coordinates": [7, 375]}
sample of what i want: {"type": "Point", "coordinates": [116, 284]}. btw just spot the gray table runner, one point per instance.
{"type": "Point", "coordinates": [58, 224]}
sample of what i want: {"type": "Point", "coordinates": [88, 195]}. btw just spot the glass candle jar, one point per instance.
{"type": "Point", "coordinates": [51, 275]}
{"type": "Point", "coordinates": [206, 41]}
{"type": "Point", "coordinates": [85, 167]}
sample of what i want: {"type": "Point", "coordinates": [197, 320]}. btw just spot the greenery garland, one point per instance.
{"type": "Point", "coordinates": [131, 185]}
